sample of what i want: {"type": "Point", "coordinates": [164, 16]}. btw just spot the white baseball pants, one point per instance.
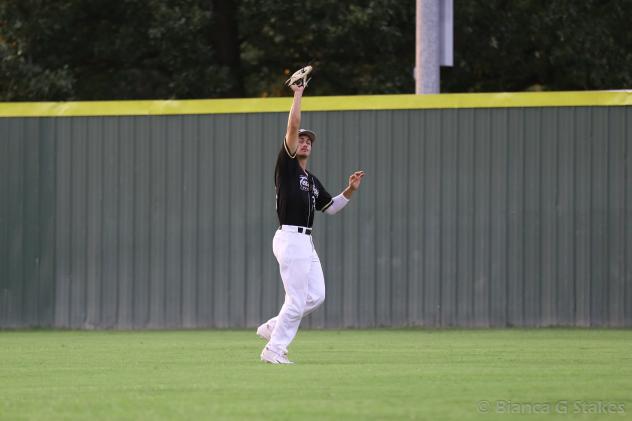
{"type": "Point", "coordinates": [303, 281]}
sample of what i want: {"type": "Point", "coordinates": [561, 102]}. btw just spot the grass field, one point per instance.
{"type": "Point", "coordinates": [353, 374]}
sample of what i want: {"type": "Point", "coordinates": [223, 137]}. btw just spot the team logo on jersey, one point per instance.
{"type": "Point", "coordinates": [304, 183]}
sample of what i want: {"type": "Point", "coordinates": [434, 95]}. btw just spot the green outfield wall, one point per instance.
{"type": "Point", "coordinates": [477, 210]}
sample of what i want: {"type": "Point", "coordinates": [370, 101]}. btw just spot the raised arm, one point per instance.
{"type": "Point", "coordinates": [294, 119]}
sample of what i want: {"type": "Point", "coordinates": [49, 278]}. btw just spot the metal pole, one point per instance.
{"type": "Point", "coordinates": [427, 47]}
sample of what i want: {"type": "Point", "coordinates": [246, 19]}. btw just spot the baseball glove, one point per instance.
{"type": "Point", "coordinates": [300, 77]}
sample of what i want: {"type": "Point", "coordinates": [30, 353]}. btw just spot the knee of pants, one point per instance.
{"type": "Point", "coordinates": [319, 299]}
{"type": "Point", "coordinates": [295, 310]}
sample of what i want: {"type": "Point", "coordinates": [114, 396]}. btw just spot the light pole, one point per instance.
{"type": "Point", "coordinates": [433, 46]}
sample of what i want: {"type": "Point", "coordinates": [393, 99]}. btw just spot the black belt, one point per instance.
{"type": "Point", "coordinates": [294, 228]}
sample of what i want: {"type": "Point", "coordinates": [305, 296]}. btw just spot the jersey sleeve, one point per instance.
{"type": "Point", "coordinates": [285, 160]}
{"type": "Point", "coordinates": [287, 150]}
{"type": "Point", "coordinates": [323, 201]}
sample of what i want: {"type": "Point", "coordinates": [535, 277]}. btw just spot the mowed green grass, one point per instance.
{"type": "Point", "coordinates": [349, 374]}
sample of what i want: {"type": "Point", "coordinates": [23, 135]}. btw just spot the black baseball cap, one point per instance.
{"type": "Point", "coordinates": [308, 133]}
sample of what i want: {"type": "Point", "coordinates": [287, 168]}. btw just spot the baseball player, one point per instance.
{"type": "Point", "coordinates": [299, 194]}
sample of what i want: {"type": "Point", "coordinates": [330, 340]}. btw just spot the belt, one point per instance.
{"type": "Point", "coordinates": [294, 228]}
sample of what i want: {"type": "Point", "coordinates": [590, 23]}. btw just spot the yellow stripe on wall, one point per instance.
{"type": "Point", "coordinates": [322, 103]}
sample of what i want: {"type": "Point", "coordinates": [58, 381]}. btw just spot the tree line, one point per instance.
{"type": "Point", "coordinates": [160, 49]}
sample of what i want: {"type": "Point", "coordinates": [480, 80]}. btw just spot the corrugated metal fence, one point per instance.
{"type": "Point", "coordinates": [467, 217]}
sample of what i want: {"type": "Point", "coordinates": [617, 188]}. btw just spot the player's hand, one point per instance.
{"type": "Point", "coordinates": [355, 179]}
{"type": "Point", "coordinates": [297, 88]}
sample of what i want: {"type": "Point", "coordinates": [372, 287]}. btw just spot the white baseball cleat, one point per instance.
{"type": "Point", "coordinates": [271, 357]}
{"type": "Point", "coordinates": [264, 331]}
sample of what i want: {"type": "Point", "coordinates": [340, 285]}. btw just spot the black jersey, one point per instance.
{"type": "Point", "coordinates": [298, 193]}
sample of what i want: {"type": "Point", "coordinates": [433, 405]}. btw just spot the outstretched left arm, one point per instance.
{"type": "Point", "coordinates": [354, 184]}
{"type": "Point", "coordinates": [342, 199]}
